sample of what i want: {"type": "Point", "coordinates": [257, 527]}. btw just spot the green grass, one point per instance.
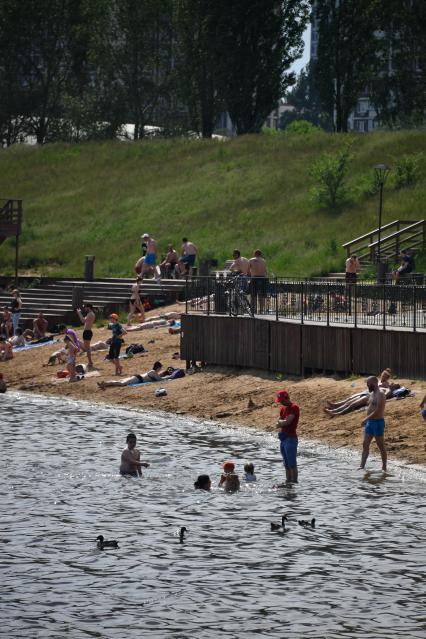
{"type": "Point", "coordinates": [251, 192]}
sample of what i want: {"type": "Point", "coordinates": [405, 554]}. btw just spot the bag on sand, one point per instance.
{"type": "Point", "coordinates": [133, 349]}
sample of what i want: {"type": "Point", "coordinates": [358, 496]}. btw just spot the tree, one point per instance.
{"type": "Point", "coordinates": [198, 61]}
{"type": "Point", "coordinates": [347, 50]}
{"type": "Point", "coordinates": [258, 42]}
{"type": "Point", "coordinates": [304, 97]}
{"type": "Point", "coordinates": [131, 55]}
{"type": "Point", "coordinates": [398, 88]}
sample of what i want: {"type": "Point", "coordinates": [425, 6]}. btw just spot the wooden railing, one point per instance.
{"type": "Point", "coordinates": [10, 217]}
{"type": "Point", "coordinates": [408, 234]}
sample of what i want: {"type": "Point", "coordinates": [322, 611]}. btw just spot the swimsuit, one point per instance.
{"type": "Point", "coordinates": [87, 335]}
{"type": "Point", "coordinates": [150, 259]}
{"type": "Point", "coordinates": [188, 259]}
{"type": "Point", "coordinates": [375, 427]}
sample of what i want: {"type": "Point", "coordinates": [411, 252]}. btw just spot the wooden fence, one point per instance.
{"type": "Point", "coordinates": [300, 349]}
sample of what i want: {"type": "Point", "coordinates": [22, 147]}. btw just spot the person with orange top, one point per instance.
{"type": "Point", "coordinates": [287, 424]}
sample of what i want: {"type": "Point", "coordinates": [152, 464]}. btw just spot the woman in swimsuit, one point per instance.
{"type": "Point", "coordinates": [135, 303]}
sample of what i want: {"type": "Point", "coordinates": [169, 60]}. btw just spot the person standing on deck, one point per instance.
{"type": "Point", "coordinates": [258, 281]}
{"type": "Point", "coordinates": [287, 424]}
{"type": "Point", "coordinates": [352, 267]}
{"type": "Point", "coordinates": [374, 423]}
{"type": "Point", "coordinates": [87, 320]}
{"type": "Point", "coordinates": [189, 253]}
{"type": "Point", "coordinates": [151, 255]}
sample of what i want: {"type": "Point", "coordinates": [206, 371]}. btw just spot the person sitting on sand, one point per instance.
{"type": "Point", "coordinates": [249, 472]}
{"type": "Point", "coordinates": [6, 350]}
{"type": "Point", "coordinates": [423, 407]}
{"type": "Point", "coordinates": [151, 376]}
{"type": "Point", "coordinates": [229, 480]}
{"type": "Point", "coordinates": [131, 459]}
{"type": "Point", "coordinates": [6, 324]}
{"type": "Point", "coordinates": [40, 326]}
{"type": "Point", "coordinates": [203, 482]}
{"type": "Point", "coordinates": [18, 339]}
{"type": "Point", "coordinates": [3, 387]}
{"type": "Point", "coordinates": [359, 400]}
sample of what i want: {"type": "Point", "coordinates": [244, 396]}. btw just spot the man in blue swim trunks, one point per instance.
{"type": "Point", "coordinates": [374, 423]}
{"type": "Point", "coordinates": [189, 253]}
{"type": "Point", "coordinates": [151, 255]}
{"type": "Point", "coordinates": [287, 424]}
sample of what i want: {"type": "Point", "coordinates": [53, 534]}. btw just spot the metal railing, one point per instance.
{"type": "Point", "coordinates": [328, 303]}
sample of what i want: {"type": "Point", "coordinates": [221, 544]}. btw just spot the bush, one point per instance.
{"type": "Point", "coordinates": [301, 127]}
{"type": "Point", "coordinates": [329, 171]}
{"type": "Point", "coordinates": [407, 170]}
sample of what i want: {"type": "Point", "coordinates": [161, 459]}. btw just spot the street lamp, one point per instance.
{"type": "Point", "coordinates": [381, 172]}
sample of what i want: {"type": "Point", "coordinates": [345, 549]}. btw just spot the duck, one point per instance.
{"type": "Point", "coordinates": [182, 532]}
{"type": "Point", "coordinates": [281, 528]}
{"type": "Point", "coordinates": [102, 543]}
{"type": "Point", "coordinates": [307, 524]}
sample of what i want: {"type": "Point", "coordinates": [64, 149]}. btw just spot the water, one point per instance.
{"type": "Point", "coordinates": [359, 574]}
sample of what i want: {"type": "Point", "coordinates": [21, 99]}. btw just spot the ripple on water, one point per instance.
{"type": "Point", "coordinates": [360, 573]}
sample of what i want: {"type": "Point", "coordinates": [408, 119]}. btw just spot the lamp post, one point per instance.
{"type": "Point", "coordinates": [381, 171]}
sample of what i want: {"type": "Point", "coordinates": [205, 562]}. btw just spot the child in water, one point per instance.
{"type": "Point", "coordinates": [249, 472]}
{"type": "Point", "coordinates": [229, 480]}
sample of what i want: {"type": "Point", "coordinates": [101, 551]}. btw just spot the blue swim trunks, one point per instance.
{"type": "Point", "coordinates": [375, 427]}
{"type": "Point", "coordinates": [424, 414]}
{"type": "Point", "coordinates": [288, 446]}
{"type": "Point", "coordinates": [188, 259]}
{"type": "Point", "coordinates": [150, 259]}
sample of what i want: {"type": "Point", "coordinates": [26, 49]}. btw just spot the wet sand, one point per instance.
{"type": "Point", "coordinates": [233, 396]}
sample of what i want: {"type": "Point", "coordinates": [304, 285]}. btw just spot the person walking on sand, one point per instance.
{"type": "Point", "coordinates": [374, 423]}
{"type": "Point", "coordinates": [87, 320]}
{"type": "Point", "coordinates": [287, 424]}
{"type": "Point", "coordinates": [135, 303]}
{"type": "Point", "coordinates": [131, 459]}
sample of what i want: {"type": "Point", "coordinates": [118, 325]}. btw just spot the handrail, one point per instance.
{"type": "Point", "coordinates": [385, 226]}
{"type": "Point", "coordinates": [396, 234]}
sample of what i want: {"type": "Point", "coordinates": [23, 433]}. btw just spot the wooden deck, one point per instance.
{"type": "Point", "coordinates": [301, 349]}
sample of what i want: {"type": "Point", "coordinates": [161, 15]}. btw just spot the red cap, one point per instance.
{"type": "Point", "coordinates": [281, 395]}
{"type": "Point", "coordinates": [228, 466]}
{"type": "Point", "coordinates": [114, 316]}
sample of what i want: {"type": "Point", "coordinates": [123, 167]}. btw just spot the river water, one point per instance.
{"type": "Point", "coordinates": [359, 574]}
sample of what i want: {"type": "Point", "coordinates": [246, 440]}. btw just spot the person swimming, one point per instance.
{"type": "Point", "coordinates": [249, 472]}
{"type": "Point", "coordinates": [203, 482]}
{"type": "Point", "coordinates": [229, 481]}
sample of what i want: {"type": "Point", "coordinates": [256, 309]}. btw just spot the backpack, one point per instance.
{"type": "Point", "coordinates": [133, 349]}
{"type": "Point", "coordinates": [178, 372]}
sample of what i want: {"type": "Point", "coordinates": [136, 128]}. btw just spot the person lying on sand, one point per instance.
{"type": "Point", "coordinates": [151, 376]}
{"type": "Point", "coordinates": [359, 400]}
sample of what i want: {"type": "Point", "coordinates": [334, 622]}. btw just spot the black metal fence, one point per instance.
{"type": "Point", "coordinates": [359, 305]}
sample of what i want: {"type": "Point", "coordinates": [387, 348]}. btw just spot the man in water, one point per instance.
{"type": "Point", "coordinates": [131, 459]}
{"type": "Point", "coordinates": [374, 423]}
{"type": "Point", "coordinates": [88, 320]}
{"type": "Point", "coordinates": [287, 424]}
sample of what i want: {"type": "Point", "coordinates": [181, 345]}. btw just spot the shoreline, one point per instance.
{"type": "Point", "coordinates": [226, 396]}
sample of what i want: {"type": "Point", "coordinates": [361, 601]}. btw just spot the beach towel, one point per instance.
{"type": "Point", "coordinates": [27, 347]}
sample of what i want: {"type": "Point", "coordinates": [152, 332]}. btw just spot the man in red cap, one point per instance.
{"type": "Point", "coordinates": [287, 423]}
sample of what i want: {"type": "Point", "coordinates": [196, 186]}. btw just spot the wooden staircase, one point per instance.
{"type": "Point", "coordinates": [394, 236]}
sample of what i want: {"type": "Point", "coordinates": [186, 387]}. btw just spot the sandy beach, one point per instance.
{"type": "Point", "coordinates": [234, 396]}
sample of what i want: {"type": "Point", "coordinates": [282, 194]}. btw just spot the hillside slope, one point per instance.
{"type": "Point", "coordinates": [251, 192]}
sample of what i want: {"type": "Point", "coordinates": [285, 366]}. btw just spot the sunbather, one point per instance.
{"type": "Point", "coordinates": [151, 376]}
{"type": "Point", "coordinates": [359, 400]}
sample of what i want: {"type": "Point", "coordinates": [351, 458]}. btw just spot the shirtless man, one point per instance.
{"type": "Point", "coordinates": [151, 255]}
{"type": "Point", "coordinates": [40, 326]}
{"type": "Point", "coordinates": [352, 266]}
{"type": "Point", "coordinates": [374, 423]}
{"type": "Point", "coordinates": [131, 459]}
{"type": "Point", "coordinates": [88, 320]}
{"type": "Point", "coordinates": [189, 253]}
{"type": "Point", "coordinates": [170, 262]}
{"type": "Point", "coordinates": [240, 264]}
{"type": "Point", "coordinates": [258, 281]}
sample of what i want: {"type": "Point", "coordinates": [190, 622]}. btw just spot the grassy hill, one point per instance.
{"type": "Point", "coordinates": [250, 192]}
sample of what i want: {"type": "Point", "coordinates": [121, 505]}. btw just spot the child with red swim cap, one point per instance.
{"type": "Point", "coordinates": [229, 480]}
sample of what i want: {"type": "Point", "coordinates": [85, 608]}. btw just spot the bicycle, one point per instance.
{"type": "Point", "coordinates": [236, 296]}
